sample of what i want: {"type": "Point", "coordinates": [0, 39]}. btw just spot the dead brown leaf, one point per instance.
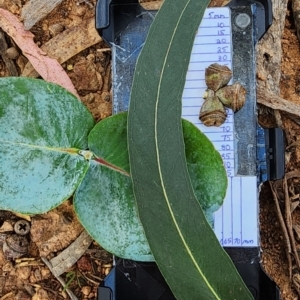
{"type": "Point", "coordinates": [68, 43]}
{"type": "Point", "coordinates": [47, 67]}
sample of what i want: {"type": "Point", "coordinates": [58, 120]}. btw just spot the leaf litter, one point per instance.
{"type": "Point", "coordinates": [48, 68]}
{"type": "Point", "coordinates": [68, 36]}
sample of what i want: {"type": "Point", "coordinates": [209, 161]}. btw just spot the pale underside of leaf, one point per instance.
{"type": "Point", "coordinates": [42, 128]}
{"type": "Point", "coordinates": [34, 180]}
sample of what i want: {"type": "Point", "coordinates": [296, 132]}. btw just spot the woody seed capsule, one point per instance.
{"type": "Point", "coordinates": [232, 96]}
{"type": "Point", "coordinates": [212, 112]}
{"type": "Point", "coordinates": [217, 76]}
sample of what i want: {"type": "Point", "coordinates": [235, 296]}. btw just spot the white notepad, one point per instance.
{"type": "Point", "coordinates": [236, 222]}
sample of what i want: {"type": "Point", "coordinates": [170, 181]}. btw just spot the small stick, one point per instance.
{"type": "Point", "coordinates": [284, 230]}
{"type": "Point", "coordinates": [7, 296]}
{"type": "Point", "coordinates": [103, 50]}
{"type": "Point", "coordinates": [292, 174]}
{"type": "Point", "coordinates": [296, 283]}
{"type": "Point", "coordinates": [62, 282]}
{"type": "Point", "coordinates": [289, 225]}
{"type": "Point", "coordinates": [275, 102]}
{"type": "Point", "coordinates": [107, 79]}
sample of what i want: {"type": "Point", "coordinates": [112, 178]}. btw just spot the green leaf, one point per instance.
{"type": "Point", "coordinates": [42, 126]}
{"type": "Point", "coordinates": [183, 244]}
{"type": "Point", "coordinates": [205, 167]}
{"type": "Point", "coordinates": [105, 204]}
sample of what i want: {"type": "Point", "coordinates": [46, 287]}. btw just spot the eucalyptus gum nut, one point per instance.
{"type": "Point", "coordinates": [232, 96]}
{"type": "Point", "coordinates": [208, 94]}
{"type": "Point", "coordinates": [217, 76]}
{"type": "Point", "coordinates": [212, 112]}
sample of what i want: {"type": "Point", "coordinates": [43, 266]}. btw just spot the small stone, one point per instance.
{"type": "Point", "coordinates": [6, 227]}
{"type": "Point", "coordinates": [14, 8]}
{"type": "Point", "coordinates": [23, 272]}
{"type": "Point", "coordinates": [84, 264]}
{"type": "Point", "coordinates": [41, 294]}
{"type": "Point", "coordinates": [80, 10]}
{"type": "Point", "coordinates": [70, 67]}
{"type": "Point", "coordinates": [7, 267]}
{"type": "Point", "coordinates": [91, 57]}
{"type": "Point", "coordinates": [12, 53]}
{"type": "Point", "coordinates": [45, 27]}
{"type": "Point", "coordinates": [106, 271]}
{"type": "Point", "coordinates": [85, 290]}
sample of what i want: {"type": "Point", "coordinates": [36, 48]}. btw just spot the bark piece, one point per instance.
{"type": "Point", "coordinates": [35, 10]}
{"type": "Point", "coordinates": [62, 282]}
{"type": "Point", "coordinates": [66, 259]}
{"type": "Point", "coordinates": [269, 51]}
{"type": "Point", "coordinates": [68, 43]}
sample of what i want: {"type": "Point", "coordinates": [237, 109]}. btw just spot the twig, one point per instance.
{"type": "Point", "coordinates": [284, 230]}
{"type": "Point", "coordinates": [62, 282]}
{"type": "Point", "coordinates": [67, 258]}
{"type": "Point", "coordinates": [289, 224]}
{"type": "Point", "coordinates": [90, 279]}
{"type": "Point", "coordinates": [103, 50]}
{"type": "Point", "coordinates": [296, 282]}
{"type": "Point", "coordinates": [275, 102]}
{"type": "Point", "coordinates": [107, 79]}
{"type": "Point", "coordinates": [51, 291]}
{"type": "Point", "coordinates": [292, 174]}
{"type": "Point", "coordinates": [7, 296]}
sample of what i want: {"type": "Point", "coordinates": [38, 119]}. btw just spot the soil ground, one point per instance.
{"type": "Point", "coordinates": [274, 257]}
{"type": "Point", "coordinates": [30, 278]}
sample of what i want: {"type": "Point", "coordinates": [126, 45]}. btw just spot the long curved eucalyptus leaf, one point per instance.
{"type": "Point", "coordinates": [42, 128]}
{"type": "Point", "coordinates": [183, 244]}
{"type": "Point", "coordinates": [104, 201]}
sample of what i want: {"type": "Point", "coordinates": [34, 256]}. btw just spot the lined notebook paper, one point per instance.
{"type": "Point", "coordinates": [236, 222]}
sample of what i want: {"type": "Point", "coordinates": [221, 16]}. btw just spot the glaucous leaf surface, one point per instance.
{"type": "Point", "coordinates": [105, 204]}
{"type": "Point", "coordinates": [42, 128]}
{"type": "Point", "coordinates": [182, 242]}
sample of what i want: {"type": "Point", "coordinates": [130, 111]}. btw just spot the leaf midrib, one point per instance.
{"type": "Point", "coordinates": [159, 164]}
{"type": "Point", "coordinates": [70, 151]}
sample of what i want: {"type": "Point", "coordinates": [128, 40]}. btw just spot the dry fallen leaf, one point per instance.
{"type": "Point", "coordinates": [68, 43]}
{"type": "Point", "coordinates": [49, 68]}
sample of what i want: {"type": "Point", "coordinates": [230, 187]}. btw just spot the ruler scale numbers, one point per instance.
{"type": "Point", "coordinates": [235, 223]}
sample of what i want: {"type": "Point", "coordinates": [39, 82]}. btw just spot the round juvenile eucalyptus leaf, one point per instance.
{"type": "Point", "coordinates": [105, 204]}
{"type": "Point", "coordinates": [42, 128]}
